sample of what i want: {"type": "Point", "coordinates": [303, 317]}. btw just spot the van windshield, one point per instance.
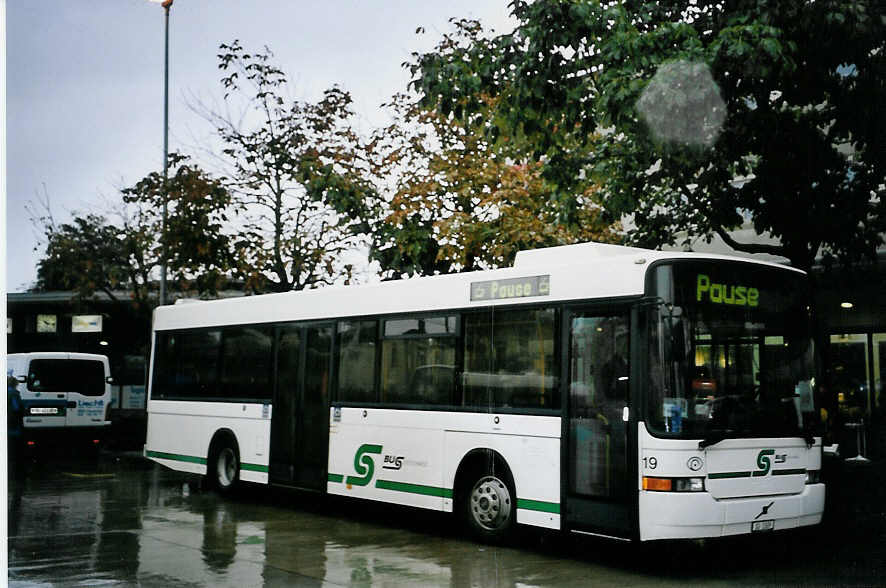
{"type": "Point", "coordinates": [81, 376]}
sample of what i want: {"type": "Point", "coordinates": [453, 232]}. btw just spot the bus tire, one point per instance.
{"type": "Point", "coordinates": [488, 503]}
{"type": "Point", "coordinates": [224, 466]}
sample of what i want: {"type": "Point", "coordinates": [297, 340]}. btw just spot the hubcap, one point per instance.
{"type": "Point", "coordinates": [490, 503]}
{"type": "Point", "coordinates": [226, 467]}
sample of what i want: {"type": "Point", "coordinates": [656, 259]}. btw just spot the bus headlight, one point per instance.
{"type": "Point", "coordinates": [673, 484]}
{"type": "Point", "coordinates": [689, 484]}
{"type": "Point", "coordinates": [813, 476]}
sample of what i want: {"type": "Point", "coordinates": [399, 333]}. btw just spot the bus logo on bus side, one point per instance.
{"type": "Point", "coordinates": [364, 464]}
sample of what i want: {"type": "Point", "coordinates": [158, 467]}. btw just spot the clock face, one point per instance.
{"type": "Point", "coordinates": [46, 323]}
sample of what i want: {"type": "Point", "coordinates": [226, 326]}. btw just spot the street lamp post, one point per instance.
{"type": "Point", "coordinates": [166, 4]}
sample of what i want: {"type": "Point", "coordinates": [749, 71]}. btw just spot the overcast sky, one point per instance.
{"type": "Point", "coordinates": [85, 84]}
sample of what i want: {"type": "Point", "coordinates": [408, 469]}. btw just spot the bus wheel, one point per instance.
{"type": "Point", "coordinates": [225, 468]}
{"type": "Point", "coordinates": [489, 507]}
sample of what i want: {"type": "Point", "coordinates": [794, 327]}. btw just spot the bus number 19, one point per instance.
{"type": "Point", "coordinates": [650, 463]}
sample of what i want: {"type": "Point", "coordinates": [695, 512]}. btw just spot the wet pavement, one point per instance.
{"type": "Point", "coordinates": [117, 519]}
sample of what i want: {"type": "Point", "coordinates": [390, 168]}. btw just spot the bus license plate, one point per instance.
{"type": "Point", "coordinates": [762, 526]}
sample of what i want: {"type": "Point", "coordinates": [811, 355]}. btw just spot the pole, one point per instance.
{"type": "Point", "coordinates": [166, 6]}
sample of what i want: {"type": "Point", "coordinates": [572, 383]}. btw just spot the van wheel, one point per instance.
{"type": "Point", "coordinates": [488, 505]}
{"type": "Point", "coordinates": [225, 467]}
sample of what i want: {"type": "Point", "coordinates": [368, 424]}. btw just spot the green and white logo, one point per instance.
{"type": "Point", "coordinates": [364, 465]}
{"type": "Point", "coordinates": [764, 462]}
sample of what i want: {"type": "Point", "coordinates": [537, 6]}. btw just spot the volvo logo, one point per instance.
{"type": "Point", "coordinates": [764, 511]}
{"type": "Point", "coordinates": [695, 463]}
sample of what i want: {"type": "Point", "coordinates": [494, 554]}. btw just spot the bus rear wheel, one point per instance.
{"type": "Point", "coordinates": [488, 506]}
{"type": "Point", "coordinates": [224, 469]}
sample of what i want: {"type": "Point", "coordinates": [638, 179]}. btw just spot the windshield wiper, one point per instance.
{"type": "Point", "coordinates": [714, 436]}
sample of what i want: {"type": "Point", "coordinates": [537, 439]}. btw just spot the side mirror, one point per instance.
{"type": "Point", "coordinates": [109, 380]}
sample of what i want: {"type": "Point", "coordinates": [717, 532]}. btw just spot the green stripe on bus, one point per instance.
{"type": "Point", "coordinates": [723, 475]}
{"type": "Point", "coordinates": [337, 478]}
{"type": "Point", "coordinates": [414, 488]}
{"type": "Point", "coordinates": [176, 457]}
{"type": "Point", "coordinates": [538, 505]}
{"type": "Point", "coordinates": [254, 467]}
{"type": "Point", "coordinates": [757, 474]}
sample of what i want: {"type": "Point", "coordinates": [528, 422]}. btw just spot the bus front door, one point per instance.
{"type": "Point", "coordinates": [596, 430]}
{"type": "Point", "coordinates": [300, 420]}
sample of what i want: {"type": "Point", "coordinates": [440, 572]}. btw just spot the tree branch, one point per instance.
{"type": "Point", "coordinates": [749, 247]}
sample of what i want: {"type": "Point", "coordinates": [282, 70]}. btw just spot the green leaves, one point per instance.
{"type": "Point", "coordinates": [797, 81]}
{"type": "Point", "coordinates": [96, 254]}
{"type": "Point", "coordinates": [85, 255]}
{"type": "Point", "coordinates": [299, 177]}
{"type": "Point", "coordinates": [474, 201]}
{"type": "Point", "coordinates": [198, 241]}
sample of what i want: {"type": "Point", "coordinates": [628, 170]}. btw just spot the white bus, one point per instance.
{"type": "Point", "coordinates": [64, 395]}
{"type": "Point", "coordinates": [591, 388]}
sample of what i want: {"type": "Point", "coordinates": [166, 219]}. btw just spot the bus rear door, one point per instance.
{"type": "Point", "coordinates": [300, 421]}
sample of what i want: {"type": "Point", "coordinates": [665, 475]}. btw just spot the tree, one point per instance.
{"type": "Point", "coordinates": [94, 254]}
{"type": "Point", "coordinates": [84, 256]}
{"type": "Point", "coordinates": [775, 104]}
{"type": "Point", "coordinates": [297, 172]}
{"type": "Point", "coordinates": [461, 202]}
{"type": "Point", "coordinates": [198, 244]}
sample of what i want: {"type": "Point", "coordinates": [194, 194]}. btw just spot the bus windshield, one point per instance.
{"type": "Point", "coordinates": [731, 352]}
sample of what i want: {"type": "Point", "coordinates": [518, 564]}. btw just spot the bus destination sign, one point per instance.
{"type": "Point", "coordinates": [707, 290]}
{"type": "Point", "coordinates": [510, 288]}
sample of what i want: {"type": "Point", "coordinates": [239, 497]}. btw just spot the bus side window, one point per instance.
{"type": "Point", "coordinates": [356, 361]}
{"type": "Point", "coordinates": [196, 374]}
{"type": "Point", "coordinates": [163, 385]}
{"type": "Point", "coordinates": [246, 363]}
{"type": "Point", "coordinates": [510, 359]}
{"type": "Point", "coordinates": [418, 360]}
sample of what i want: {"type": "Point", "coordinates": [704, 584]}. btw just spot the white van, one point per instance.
{"type": "Point", "coordinates": [62, 393]}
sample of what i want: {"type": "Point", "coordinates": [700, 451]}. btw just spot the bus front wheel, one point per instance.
{"type": "Point", "coordinates": [225, 467]}
{"type": "Point", "coordinates": [488, 505]}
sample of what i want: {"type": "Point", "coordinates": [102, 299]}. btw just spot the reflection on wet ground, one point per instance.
{"type": "Point", "coordinates": [121, 520]}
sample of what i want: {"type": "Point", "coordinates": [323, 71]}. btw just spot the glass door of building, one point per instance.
{"type": "Point", "coordinates": [850, 382]}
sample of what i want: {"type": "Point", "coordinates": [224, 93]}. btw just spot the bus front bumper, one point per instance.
{"type": "Point", "coordinates": [677, 515]}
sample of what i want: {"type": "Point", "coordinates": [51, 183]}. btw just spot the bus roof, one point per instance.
{"type": "Point", "coordinates": [58, 355]}
{"type": "Point", "coordinates": [571, 272]}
